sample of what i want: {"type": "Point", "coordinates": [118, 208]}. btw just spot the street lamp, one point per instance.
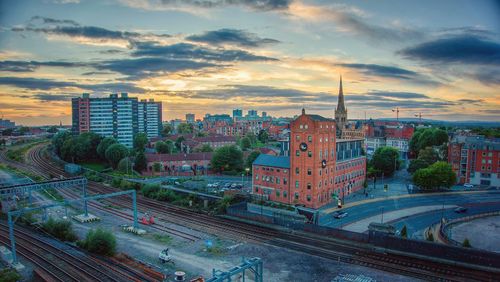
{"type": "Point", "coordinates": [247, 170]}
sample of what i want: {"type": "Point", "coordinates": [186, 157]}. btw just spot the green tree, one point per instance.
{"type": "Point", "coordinates": [141, 162]}
{"type": "Point", "coordinates": [227, 158]}
{"type": "Point", "coordinates": [251, 135]}
{"type": "Point", "coordinates": [104, 145]}
{"type": "Point", "coordinates": [404, 232]}
{"type": "Point", "coordinates": [125, 165]}
{"type": "Point", "coordinates": [86, 146]}
{"type": "Point", "coordinates": [99, 242]}
{"type": "Point", "coordinates": [263, 136]}
{"type": "Point", "coordinates": [115, 153]}
{"type": "Point", "coordinates": [427, 137]}
{"type": "Point", "coordinates": [166, 130]}
{"type": "Point", "coordinates": [61, 229]}
{"type": "Point", "coordinates": [428, 155]}
{"type": "Point", "coordinates": [140, 141]}
{"type": "Point", "coordinates": [157, 167]}
{"type": "Point", "coordinates": [185, 128]}
{"type": "Point", "coordinates": [10, 275]}
{"type": "Point", "coordinates": [417, 164]}
{"type": "Point", "coordinates": [58, 140]}
{"type": "Point", "coordinates": [52, 129]}
{"type": "Point", "coordinates": [386, 160]}
{"type": "Point", "coordinates": [178, 143]}
{"type": "Point", "coordinates": [204, 148]}
{"type": "Point", "coordinates": [251, 158]}
{"type": "Point", "coordinates": [23, 130]}
{"type": "Point", "coordinates": [68, 149]}
{"type": "Point", "coordinates": [437, 175]}
{"type": "Point", "coordinates": [466, 243]}
{"type": "Point", "coordinates": [245, 143]}
{"type": "Point", "coordinates": [163, 148]}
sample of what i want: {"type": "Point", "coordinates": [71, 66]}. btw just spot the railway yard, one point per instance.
{"type": "Point", "coordinates": [287, 255]}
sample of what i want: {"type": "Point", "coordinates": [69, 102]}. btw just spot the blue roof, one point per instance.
{"type": "Point", "coordinates": [275, 161]}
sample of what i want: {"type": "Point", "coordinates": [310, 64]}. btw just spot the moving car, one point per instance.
{"type": "Point", "coordinates": [468, 185]}
{"type": "Point", "coordinates": [339, 214]}
{"type": "Point", "coordinates": [461, 210]}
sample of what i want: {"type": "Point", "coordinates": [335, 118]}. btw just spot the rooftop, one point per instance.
{"type": "Point", "coordinates": [274, 161]}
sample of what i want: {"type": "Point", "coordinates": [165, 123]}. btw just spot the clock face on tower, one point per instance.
{"type": "Point", "coordinates": [323, 163]}
{"type": "Point", "coordinates": [303, 146]}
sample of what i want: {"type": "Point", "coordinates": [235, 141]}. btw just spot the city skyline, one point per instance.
{"type": "Point", "coordinates": [276, 56]}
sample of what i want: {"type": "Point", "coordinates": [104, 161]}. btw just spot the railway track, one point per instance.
{"type": "Point", "coordinates": [301, 242]}
{"type": "Point", "coordinates": [64, 263]}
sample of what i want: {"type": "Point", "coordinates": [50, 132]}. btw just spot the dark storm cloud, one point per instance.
{"type": "Point", "coordinates": [261, 5]}
{"type": "Point", "coordinates": [381, 70]}
{"type": "Point", "coordinates": [30, 66]}
{"type": "Point", "coordinates": [142, 67]}
{"type": "Point", "coordinates": [194, 52]}
{"type": "Point", "coordinates": [462, 49]}
{"type": "Point", "coordinates": [232, 36]}
{"type": "Point", "coordinates": [73, 29]}
{"type": "Point", "coordinates": [47, 84]}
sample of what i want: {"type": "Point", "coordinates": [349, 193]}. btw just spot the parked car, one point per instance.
{"type": "Point", "coordinates": [468, 185]}
{"type": "Point", "coordinates": [339, 214]}
{"type": "Point", "coordinates": [461, 210]}
{"type": "Point", "coordinates": [227, 185]}
{"type": "Point", "coordinates": [233, 185]}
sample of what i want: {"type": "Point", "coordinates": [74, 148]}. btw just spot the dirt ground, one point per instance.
{"type": "Point", "coordinates": [482, 233]}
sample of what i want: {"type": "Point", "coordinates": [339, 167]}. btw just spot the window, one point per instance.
{"type": "Point", "coordinates": [277, 180]}
{"type": "Point", "coordinates": [296, 196]}
{"type": "Point", "coordinates": [297, 153]}
{"type": "Point", "coordinates": [309, 154]}
{"type": "Point", "coordinates": [320, 153]}
{"type": "Point", "coordinates": [306, 126]}
{"type": "Point", "coordinates": [309, 138]}
{"type": "Point", "coordinates": [309, 171]}
{"type": "Point", "coordinates": [296, 184]}
{"type": "Point", "coordinates": [301, 126]}
{"type": "Point", "coordinates": [285, 194]}
{"type": "Point", "coordinates": [321, 139]}
{"type": "Point", "coordinates": [285, 171]}
{"type": "Point", "coordinates": [308, 198]}
{"type": "Point", "coordinates": [297, 137]}
{"type": "Point", "coordinates": [256, 189]}
{"type": "Point", "coordinates": [284, 180]}
{"type": "Point", "coordinates": [297, 170]}
{"type": "Point", "coordinates": [309, 186]}
{"type": "Point", "coordinates": [278, 193]}
{"type": "Point", "coordinates": [256, 177]}
{"type": "Point", "coordinates": [320, 172]}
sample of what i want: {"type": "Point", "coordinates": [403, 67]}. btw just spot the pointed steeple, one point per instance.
{"type": "Point", "coordinates": [340, 104]}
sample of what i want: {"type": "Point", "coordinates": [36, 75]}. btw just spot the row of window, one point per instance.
{"type": "Point", "coordinates": [305, 126]}
{"type": "Point", "coordinates": [271, 179]}
{"type": "Point", "coordinates": [310, 138]}
{"type": "Point", "coordinates": [270, 169]}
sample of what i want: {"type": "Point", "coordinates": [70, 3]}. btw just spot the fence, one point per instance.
{"type": "Point", "coordinates": [445, 228]}
{"type": "Point", "coordinates": [378, 239]}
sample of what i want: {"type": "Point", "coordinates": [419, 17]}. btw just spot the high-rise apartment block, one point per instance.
{"type": "Point", "coordinates": [120, 117]}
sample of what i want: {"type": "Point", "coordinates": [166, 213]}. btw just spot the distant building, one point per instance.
{"type": "Point", "coordinates": [264, 114]}
{"type": "Point", "coordinates": [179, 164]}
{"type": "Point", "coordinates": [271, 178]}
{"type": "Point", "coordinates": [5, 123]}
{"type": "Point", "coordinates": [190, 118]}
{"type": "Point", "coordinates": [237, 113]}
{"type": "Point", "coordinates": [346, 129]}
{"type": "Point", "coordinates": [252, 113]}
{"type": "Point", "coordinates": [475, 159]}
{"type": "Point", "coordinates": [120, 117]}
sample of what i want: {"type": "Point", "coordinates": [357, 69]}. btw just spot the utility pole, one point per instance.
{"type": "Point", "coordinates": [419, 115]}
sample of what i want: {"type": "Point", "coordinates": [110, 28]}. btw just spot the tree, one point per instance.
{"type": "Point", "coordinates": [104, 145]}
{"type": "Point", "coordinates": [404, 232]}
{"type": "Point", "coordinates": [428, 155]}
{"type": "Point", "coordinates": [52, 129]}
{"type": "Point", "coordinates": [125, 165]}
{"type": "Point", "coordinates": [86, 146]}
{"type": "Point", "coordinates": [466, 243]}
{"type": "Point", "coordinates": [58, 140]}
{"type": "Point", "coordinates": [251, 158]}
{"type": "Point", "coordinates": [204, 148]}
{"type": "Point", "coordinates": [417, 164]}
{"type": "Point", "coordinates": [245, 143]}
{"type": "Point", "coordinates": [227, 158]}
{"type": "Point", "coordinates": [7, 132]}
{"type": "Point", "coordinates": [178, 143]}
{"type": "Point", "coordinates": [140, 141]}
{"type": "Point", "coordinates": [99, 242]}
{"type": "Point", "coordinates": [166, 130]}
{"type": "Point", "coordinates": [157, 167]}
{"type": "Point", "coordinates": [252, 137]}
{"type": "Point", "coordinates": [427, 137]}
{"type": "Point", "coordinates": [23, 130]}
{"type": "Point", "coordinates": [437, 175]}
{"type": "Point", "coordinates": [163, 148]}
{"type": "Point", "coordinates": [61, 229]}
{"type": "Point", "coordinates": [115, 153]}
{"type": "Point", "coordinates": [10, 275]}
{"type": "Point", "coordinates": [67, 151]}
{"type": "Point", "coordinates": [141, 162]}
{"type": "Point", "coordinates": [386, 160]}
{"type": "Point", "coordinates": [263, 136]}
{"type": "Point", "coordinates": [185, 128]}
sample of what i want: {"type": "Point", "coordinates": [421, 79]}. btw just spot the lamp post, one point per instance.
{"type": "Point", "coordinates": [247, 171]}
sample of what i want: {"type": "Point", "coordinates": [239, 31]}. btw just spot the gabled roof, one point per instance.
{"type": "Point", "coordinates": [274, 161]}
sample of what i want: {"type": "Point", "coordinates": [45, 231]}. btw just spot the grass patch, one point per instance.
{"type": "Point", "coordinates": [9, 275]}
{"type": "Point", "coordinates": [216, 249]}
{"type": "Point", "coordinates": [17, 153]}
{"type": "Point", "coordinates": [162, 238]}
{"type": "Point", "coordinates": [94, 166]}
{"type": "Point", "coordinates": [14, 170]}
{"type": "Point", "coordinates": [61, 229]}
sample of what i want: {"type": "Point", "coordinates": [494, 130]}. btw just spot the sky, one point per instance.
{"type": "Point", "coordinates": [437, 58]}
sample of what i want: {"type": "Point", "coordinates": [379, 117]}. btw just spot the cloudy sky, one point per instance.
{"type": "Point", "coordinates": [440, 58]}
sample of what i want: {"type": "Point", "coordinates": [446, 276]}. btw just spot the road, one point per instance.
{"type": "Point", "coordinates": [361, 211]}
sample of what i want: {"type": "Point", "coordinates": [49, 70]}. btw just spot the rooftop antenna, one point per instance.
{"type": "Point", "coordinates": [397, 113]}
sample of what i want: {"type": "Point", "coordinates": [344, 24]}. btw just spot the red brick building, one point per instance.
{"type": "Point", "coordinates": [271, 178]}
{"type": "Point", "coordinates": [179, 164]}
{"type": "Point", "coordinates": [319, 165]}
{"type": "Point", "coordinates": [475, 160]}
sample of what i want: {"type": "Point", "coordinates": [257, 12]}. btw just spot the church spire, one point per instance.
{"type": "Point", "coordinates": [340, 104]}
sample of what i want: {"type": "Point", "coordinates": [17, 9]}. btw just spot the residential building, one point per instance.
{"type": "Point", "coordinates": [271, 178]}
{"type": "Point", "coordinates": [120, 117]}
{"type": "Point", "coordinates": [179, 164]}
{"type": "Point", "coordinates": [237, 113]}
{"type": "Point", "coordinates": [475, 159]}
{"type": "Point", "coordinates": [252, 113]}
{"type": "Point", "coordinates": [5, 123]}
{"type": "Point", "coordinates": [372, 144]}
{"type": "Point", "coordinates": [190, 118]}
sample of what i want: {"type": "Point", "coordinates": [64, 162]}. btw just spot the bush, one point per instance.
{"type": "Point", "coordinates": [99, 242]}
{"type": "Point", "coordinates": [125, 165]}
{"type": "Point", "coordinates": [150, 190]}
{"type": "Point", "coordinates": [9, 275]}
{"type": "Point", "coordinates": [466, 243]}
{"type": "Point", "coordinates": [116, 182]}
{"type": "Point", "coordinates": [126, 185]}
{"type": "Point", "coordinates": [61, 229]}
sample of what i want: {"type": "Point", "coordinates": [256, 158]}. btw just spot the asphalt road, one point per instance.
{"type": "Point", "coordinates": [362, 211]}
